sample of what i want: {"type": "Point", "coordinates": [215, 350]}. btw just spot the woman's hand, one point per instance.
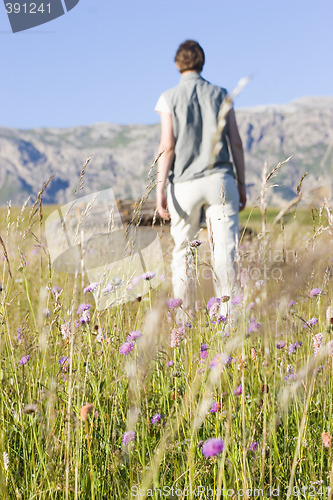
{"type": "Point", "coordinates": [161, 204]}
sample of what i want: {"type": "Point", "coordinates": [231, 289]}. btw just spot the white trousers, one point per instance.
{"type": "Point", "coordinates": [218, 194]}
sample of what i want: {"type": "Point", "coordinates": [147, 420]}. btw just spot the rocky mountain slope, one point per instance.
{"type": "Point", "coordinates": [122, 155]}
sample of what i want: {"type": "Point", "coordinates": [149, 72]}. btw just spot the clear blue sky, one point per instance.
{"type": "Point", "coordinates": [108, 60]}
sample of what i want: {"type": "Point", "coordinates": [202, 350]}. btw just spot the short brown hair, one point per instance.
{"type": "Point", "coordinates": [190, 56]}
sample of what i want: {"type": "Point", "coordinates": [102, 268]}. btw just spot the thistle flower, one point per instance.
{"type": "Point", "coordinates": [19, 335]}
{"type": "Point", "coordinates": [214, 310]}
{"type": "Point", "coordinates": [24, 360]}
{"type": "Point", "coordinates": [82, 308]}
{"type": "Point", "coordinates": [215, 407]}
{"type": "Point", "coordinates": [326, 439]}
{"type": "Point", "coordinates": [203, 354]}
{"type": "Point", "coordinates": [128, 436]}
{"type": "Point", "coordinates": [238, 391]}
{"type": "Point", "coordinates": [317, 341]}
{"type": "Point", "coordinates": [91, 287]}
{"type": "Point", "coordinates": [238, 299]}
{"type": "Point", "coordinates": [315, 291]}
{"type": "Point", "coordinates": [212, 447]}
{"type": "Point", "coordinates": [254, 446]}
{"type": "Point", "coordinates": [47, 312]}
{"type": "Point", "coordinates": [213, 300]}
{"type": "Point", "coordinates": [281, 344]}
{"type": "Point", "coordinates": [290, 369]}
{"type": "Point", "coordinates": [126, 348]}
{"type": "Point", "coordinates": [85, 318]}
{"type": "Point", "coordinates": [134, 335]}
{"type": "Point", "coordinates": [293, 347]}
{"type": "Point", "coordinates": [156, 418]}
{"type": "Point", "coordinates": [85, 411]}
{"type": "Point", "coordinates": [253, 325]}
{"type": "Point", "coordinates": [173, 303]}
{"type": "Point", "coordinates": [148, 275]}
{"type": "Point", "coordinates": [64, 363]}
{"type": "Point", "coordinates": [56, 291]}
{"type": "Point", "coordinates": [195, 243]}
{"type": "Point", "coordinates": [109, 288]}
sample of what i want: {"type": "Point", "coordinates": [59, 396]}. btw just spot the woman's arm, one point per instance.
{"type": "Point", "coordinates": [236, 147]}
{"type": "Point", "coordinates": [167, 148]}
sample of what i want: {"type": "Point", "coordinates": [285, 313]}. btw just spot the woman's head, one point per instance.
{"type": "Point", "coordinates": [190, 57]}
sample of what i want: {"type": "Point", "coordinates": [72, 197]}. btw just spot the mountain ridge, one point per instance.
{"type": "Point", "coordinates": [123, 154]}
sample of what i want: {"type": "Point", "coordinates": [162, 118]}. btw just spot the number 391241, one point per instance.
{"type": "Point", "coordinates": [28, 8]}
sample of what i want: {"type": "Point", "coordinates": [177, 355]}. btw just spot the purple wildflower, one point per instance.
{"type": "Point", "coordinates": [109, 288]}
{"type": "Point", "coordinates": [220, 319]}
{"type": "Point", "coordinates": [315, 291]}
{"type": "Point", "coordinates": [254, 446]}
{"type": "Point", "coordinates": [64, 362]}
{"type": "Point", "coordinates": [238, 299]}
{"type": "Point", "coordinates": [215, 407]}
{"type": "Point", "coordinates": [148, 275]}
{"type": "Point", "coordinates": [173, 303]}
{"type": "Point", "coordinates": [281, 344]}
{"type": "Point", "coordinates": [156, 418]}
{"type": "Point", "coordinates": [134, 335]}
{"type": "Point", "coordinates": [214, 310]}
{"type": "Point", "coordinates": [91, 287]}
{"type": "Point", "coordinates": [56, 290]}
{"type": "Point", "coordinates": [126, 348]}
{"type": "Point", "coordinates": [195, 243]}
{"type": "Point", "coordinates": [212, 447]}
{"type": "Point", "coordinates": [313, 321]}
{"type": "Point", "coordinates": [292, 303]}
{"type": "Point", "coordinates": [253, 325]}
{"type": "Point", "coordinates": [204, 354]}
{"type": "Point", "coordinates": [19, 335]}
{"type": "Point", "coordinates": [24, 360]}
{"type": "Point", "coordinates": [251, 306]}
{"type": "Point", "coordinates": [203, 347]}
{"type": "Point", "coordinates": [47, 312]}
{"type": "Point", "coordinates": [238, 391]}
{"type": "Point", "coordinates": [293, 347]}
{"type": "Point", "coordinates": [170, 363]}
{"type": "Point", "coordinates": [128, 436]}
{"type": "Point", "coordinates": [213, 300]}
{"type": "Point", "coordinates": [82, 308]}
{"type": "Point", "coordinates": [85, 318]}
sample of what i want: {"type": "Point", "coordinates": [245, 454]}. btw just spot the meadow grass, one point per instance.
{"type": "Point", "coordinates": [80, 419]}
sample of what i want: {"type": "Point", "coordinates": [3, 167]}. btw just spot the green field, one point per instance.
{"type": "Point", "coordinates": [81, 419]}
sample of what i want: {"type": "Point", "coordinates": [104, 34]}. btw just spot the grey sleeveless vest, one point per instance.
{"type": "Point", "coordinates": [194, 105]}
